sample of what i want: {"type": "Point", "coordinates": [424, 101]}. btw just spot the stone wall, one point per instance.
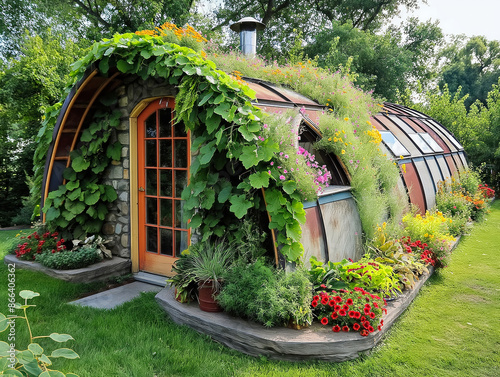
{"type": "Point", "coordinates": [117, 226]}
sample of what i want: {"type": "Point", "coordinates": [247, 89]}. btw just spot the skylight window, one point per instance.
{"type": "Point", "coordinates": [432, 143]}
{"type": "Point", "coordinates": [394, 144]}
{"type": "Point", "coordinates": [421, 144]}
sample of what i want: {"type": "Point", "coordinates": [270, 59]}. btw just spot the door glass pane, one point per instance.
{"type": "Point", "coordinates": [166, 242]}
{"type": "Point", "coordinates": [181, 241]}
{"type": "Point", "coordinates": [166, 212]}
{"type": "Point", "coordinates": [152, 239]}
{"type": "Point", "coordinates": [151, 211]}
{"type": "Point", "coordinates": [180, 130]}
{"type": "Point", "coordinates": [165, 122]}
{"type": "Point", "coordinates": [150, 152]}
{"type": "Point", "coordinates": [151, 126]}
{"type": "Point", "coordinates": [179, 216]}
{"type": "Point", "coordinates": [166, 153]}
{"type": "Point", "coordinates": [166, 183]}
{"type": "Point", "coordinates": [180, 182]}
{"type": "Point", "coordinates": [151, 182]}
{"type": "Point", "coordinates": [180, 153]}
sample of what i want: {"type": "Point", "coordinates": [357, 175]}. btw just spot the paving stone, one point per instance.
{"type": "Point", "coordinates": [117, 296]}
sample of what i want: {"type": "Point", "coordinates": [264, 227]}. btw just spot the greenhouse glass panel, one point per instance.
{"type": "Point", "coordinates": [435, 171]}
{"type": "Point", "coordinates": [432, 143]}
{"type": "Point", "coordinates": [421, 144]}
{"type": "Point", "coordinates": [445, 170]}
{"type": "Point", "coordinates": [394, 144]}
{"type": "Point", "coordinates": [427, 182]}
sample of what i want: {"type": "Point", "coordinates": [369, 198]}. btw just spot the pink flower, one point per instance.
{"type": "Point", "coordinates": [282, 177]}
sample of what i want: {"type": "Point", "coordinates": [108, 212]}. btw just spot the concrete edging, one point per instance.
{"type": "Point", "coordinates": [103, 270]}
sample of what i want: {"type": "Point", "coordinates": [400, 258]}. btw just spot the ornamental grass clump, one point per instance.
{"type": "Point", "coordinates": [350, 310]}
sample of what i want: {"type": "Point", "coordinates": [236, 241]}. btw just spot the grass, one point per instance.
{"type": "Point", "coordinates": [451, 329]}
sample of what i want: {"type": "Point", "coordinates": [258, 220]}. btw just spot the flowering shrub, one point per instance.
{"type": "Point", "coordinates": [432, 229]}
{"type": "Point", "coordinates": [487, 191]}
{"type": "Point", "coordinates": [356, 310]}
{"type": "Point", "coordinates": [37, 244]}
{"type": "Point", "coordinates": [292, 162]}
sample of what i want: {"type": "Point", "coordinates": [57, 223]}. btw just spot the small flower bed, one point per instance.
{"type": "Point", "coordinates": [36, 243]}
{"type": "Point", "coordinates": [487, 191]}
{"type": "Point", "coordinates": [344, 310]}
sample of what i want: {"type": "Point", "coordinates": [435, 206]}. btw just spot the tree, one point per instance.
{"type": "Point", "coordinates": [85, 19]}
{"type": "Point", "coordinates": [27, 86]}
{"type": "Point", "coordinates": [473, 65]}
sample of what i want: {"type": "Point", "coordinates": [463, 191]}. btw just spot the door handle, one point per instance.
{"type": "Point", "coordinates": [141, 189]}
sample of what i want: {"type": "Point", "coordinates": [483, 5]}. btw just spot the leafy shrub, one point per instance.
{"type": "Point", "coordinates": [324, 276]}
{"type": "Point", "coordinates": [67, 260]}
{"type": "Point", "coordinates": [24, 215]}
{"type": "Point", "coordinates": [403, 261]}
{"type": "Point", "coordinates": [356, 310]}
{"type": "Point", "coordinates": [37, 244]}
{"type": "Point", "coordinates": [267, 295]}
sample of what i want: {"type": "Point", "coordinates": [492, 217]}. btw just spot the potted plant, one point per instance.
{"type": "Point", "coordinates": [209, 261]}
{"type": "Point", "coordinates": [184, 280]}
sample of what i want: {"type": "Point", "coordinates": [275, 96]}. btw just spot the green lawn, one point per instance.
{"type": "Point", "coordinates": [451, 329]}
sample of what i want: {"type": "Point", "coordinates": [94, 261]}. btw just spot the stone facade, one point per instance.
{"type": "Point", "coordinates": [117, 226]}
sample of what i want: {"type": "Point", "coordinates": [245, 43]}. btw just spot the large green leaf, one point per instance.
{"type": "Point", "coordinates": [35, 348]}
{"type": "Point", "coordinates": [114, 151]}
{"type": "Point", "coordinates": [92, 198]}
{"type": "Point", "coordinates": [26, 294]}
{"type": "Point", "coordinates": [259, 179]}
{"type": "Point", "coordinates": [32, 368]}
{"type": "Point", "coordinates": [12, 373]}
{"type": "Point", "coordinates": [4, 349]}
{"type": "Point", "coordinates": [65, 352]}
{"type": "Point", "coordinates": [240, 205]}
{"type": "Point", "coordinates": [4, 322]}
{"type": "Point", "coordinates": [60, 337]}
{"type": "Point", "coordinates": [80, 164]}
{"type": "Point", "coordinates": [249, 156]}
{"type": "Point", "coordinates": [289, 187]}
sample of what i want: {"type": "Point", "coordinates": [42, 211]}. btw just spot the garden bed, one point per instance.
{"type": "Point", "coordinates": [101, 271]}
{"type": "Point", "coordinates": [314, 343]}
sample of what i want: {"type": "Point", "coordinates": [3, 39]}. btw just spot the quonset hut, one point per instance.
{"type": "Point", "coordinates": [145, 222]}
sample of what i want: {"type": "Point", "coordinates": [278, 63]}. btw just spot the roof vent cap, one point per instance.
{"type": "Point", "coordinates": [247, 27]}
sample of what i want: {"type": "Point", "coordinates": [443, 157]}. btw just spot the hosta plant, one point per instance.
{"type": "Point", "coordinates": [350, 310]}
{"type": "Point", "coordinates": [34, 360]}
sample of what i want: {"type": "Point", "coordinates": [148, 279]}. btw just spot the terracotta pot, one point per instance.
{"type": "Point", "coordinates": [206, 297]}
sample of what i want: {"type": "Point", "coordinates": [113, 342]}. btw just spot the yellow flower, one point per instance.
{"type": "Point", "coordinates": [401, 157]}
{"type": "Point", "coordinates": [203, 54]}
{"type": "Point", "coordinates": [403, 167]}
{"type": "Point", "coordinates": [369, 123]}
{"type": "Point", "coordinates": [346, 119]}
{"type": "Point", "coordinates": [343, 151]}
{"type": "Point", "coordinates": [426, 235]}
{"type": "Point", "coordinates": [329, 139]}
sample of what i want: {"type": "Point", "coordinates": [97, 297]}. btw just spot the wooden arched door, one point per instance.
{"type": "Point", "coordinates": [163, 162]}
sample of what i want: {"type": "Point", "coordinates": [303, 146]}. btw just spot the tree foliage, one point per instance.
{"type": "Point", "coordinates": [473, 65]}
{"type": "Point", "coordinates": [27, 86]}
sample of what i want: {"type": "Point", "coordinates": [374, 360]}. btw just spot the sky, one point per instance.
{"type": "Point", "coordinates": [477, 17]}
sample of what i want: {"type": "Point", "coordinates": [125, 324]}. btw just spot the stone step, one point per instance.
{"type": "Point", "coordinates": [149, 278]}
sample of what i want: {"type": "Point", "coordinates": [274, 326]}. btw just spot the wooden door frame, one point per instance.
{"type": "Point", "coordinates": [134, 182]}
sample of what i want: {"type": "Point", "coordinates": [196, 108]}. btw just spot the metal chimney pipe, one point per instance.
{"type": "Point", "coordinates": [247, 27]}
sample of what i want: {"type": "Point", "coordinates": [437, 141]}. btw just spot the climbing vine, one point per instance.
{"type": "Point", "coordinates": [226, 127]}
{"type": "Point", "coordinates": [80, 205]}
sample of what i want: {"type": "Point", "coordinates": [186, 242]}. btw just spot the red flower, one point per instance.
{"type": "Point", "coordinates": [316, 298]}
{"type": "Point", "coordinates": [371, 329]}
{"type": "Point", "coordinates": [349, 301]}
{"type": "Point", "coordinates": [324, 300]}
{"type": "Point", "coordinates": [342, 312]}
{"type": "Point", "coordinates": [324, 321]}
{"type": "Point", "coordinates": [337, 299]}
{"type": "Point", "coordinates": [314, 303]}
{"type": "Point", "coordinates": [352, 314]}
{"type": "Point", "coordinates": [364, 333]}
{"type": "Point", "coordinates": [357, 315]}
{"type": "Point", "coordinates": [372, 315]}
{"type": "Point", "coordinates": [337, 308]}
{"type": "Point", "coordinates": [379, 328]}
{"type": "Point", "coordinates": [345, 307]}
{"type": "Point", "coordinates": [366, 311]}
{"type": "Point", "coordinates": [345, 328]}
{"type": "Point", "coordinates": [356, 327]}
{"type": "Point", "coordinates": [334, 315]}
{"type": "Point", "coordinates": [331, 303]}
{"type": "Point", "coordinates": [336, 328]}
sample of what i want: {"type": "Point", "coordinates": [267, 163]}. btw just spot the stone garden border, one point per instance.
{"type": "Point", "coordinates": [316, 342]}
{"type": "Point", "coordinates": [101, 271]}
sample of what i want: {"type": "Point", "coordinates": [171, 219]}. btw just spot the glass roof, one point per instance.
{"type": "Point", "coordinates": [394, 144]}
{"type": "Point", "coordinates": [421, 144]}
{"type": "Point", "coordinates": [432, 143]}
